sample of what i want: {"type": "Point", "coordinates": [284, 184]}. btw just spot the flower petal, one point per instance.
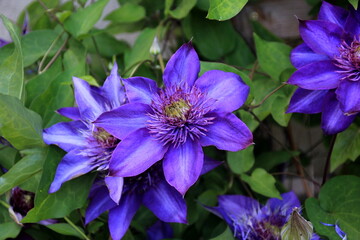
{"type": "Point", "coordinates": [209, 164]}
{"type": "Point", "coordinates": [121, 216]}
{"type": "Point", "coordinates": [333, 120]}
{"type": "Point", "coordinates": [332, 13]}
{"type": "Point", "coordinates": [115, 187]}
{"type": "Point", "coordinates": [123, 120]}
{"type": "Point", "coordinates": [321, 36]}
{"type": "Point", "coordinates": [303, 55]}
{"type": "Point", "coordinates": [237, 205]}
{"type": "Point", "coordinates": [307, 101]}
{"type": "Point", "coordinates": [113, 90]}
{"type": "Point", "coordinates": [348, 96]}
{"type": "Point", "coordinates": [160, 230]}
{"type": "Point", "coordinates": [135, 154]}
{"type": "Point", "coordinates": [183, 67]}
{"type": "Point", "coordinates": [227, 133]}
{"type": "Point", "coordinates": [70, 112]}
{"type": "Point", "coordinates": [166, 203]}
{"type": "Point", "coordinates": [91, 104]}
{"type": "Point", "coordinates": [67, 135]}
{"type": "Point", "coordinates": [183, 164]}
{"type": "Point", "coordinates": [316, 76]}
{"type": "Point", "coordinates": [352, 23]}
{"type": "Point", "coordinates": [100, 203]}
{"type": "Point", "coordinates": [227, 88]}
{"type": "Point", "coordinates": [140, 89]}
{"type": "Point", "coordinates": [73, 165]}
{"type": "Point", "coordinates": [284, 206]}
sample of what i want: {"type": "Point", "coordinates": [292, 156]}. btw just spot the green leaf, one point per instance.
{"type": "Point", "coordinates": [127, 13]}
{"type": "Point", "coordinates": [9, 230]}
{"type": "Point", "coordinates": [262, 182]}
{"type": "Point", "coordinates": [338, 202]}
{"type": "Point", "coordinates": [181, 11]}
{"type": "Point", "coordinates": [226, 235]}
{"type": "Point", "coordinates": [269, 160]}
{"type": "Point", "coordinates": [347, 146]}
{"type": "Point", "coordinates": [12, 68]}
{"type": "Point", "coordinates": [84, 19]}
{"type": "Point", "coordinates": [242, 55]}
{"type": "Point", "coordinates": [107, 45]}
{"type": "Point", "coordinates": [65, 229]}
{"type": "Point", "coordinates": [7, 156]}
{"type": "Point", "coordinates": [59, 94]}
{"type": "Point", "coordinates": [273, 57]}
{"type": "Point", "coordinates": [20, 126]}
{"type": "Point", "coordinates": [278, 110]}
{"type": "Point", "coordinates": [72, 194]}
{"type": "Point", "coordinates": [225, 9]}
{"type": "Point", "coordinates": [141, 50]}
{"type": "Point", "coordinates": [75, 59]}
{"type": "Point", "coordinates": [24, 169]}
{"type": "Point", "coordinates": [37, 85]}
{"type": "Point", "coordinates": [213, 40]}
{"type": "Point", "coordinates": [354, 3]}
{"type": "Point", "coordinates": [241, 161]}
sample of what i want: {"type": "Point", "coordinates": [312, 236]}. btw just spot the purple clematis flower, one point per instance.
{"type": "Point", "coordinates": [248, 219]}
{"type": "Point", "coordinates": [338, 230]}
{"type": "Point", "coordinates": [149, 188]}
{"type": "Point", "coordinates": [175, 122]}
{"type": "Point", "coordinates": [88, 147]}
{"type": "Point", "coordinates": [160, 230]}
{"type": "Point", "coordinates": [328, 64]}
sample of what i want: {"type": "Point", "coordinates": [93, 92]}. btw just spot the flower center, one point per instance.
{"type": "Point", "coordinates": [177, 109]}
{"type": "Point", "coordinates": [349, 60]}
{"type": "Point", "coordinates": [179, 113]}
{"type": "Point", "coordinates": [100, 146]}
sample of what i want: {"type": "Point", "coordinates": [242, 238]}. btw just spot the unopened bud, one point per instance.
{"type": "Point", "coordinates": [155, 47]}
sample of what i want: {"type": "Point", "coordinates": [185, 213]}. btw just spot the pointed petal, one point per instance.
{"type": "Point", "coordinates": [160, 230]}
{"type": "Point", "coordinates": [227, 88]}
{"type": "Point", "coordinates": [348, 96]}
{"type": "Point", "coordinates": [67, 135]}
{"type": "Point", "coordinates": [70, 112]}
{"type": "Point", "coordinates": [183, 164]}
{"type": "Point", "coordinates": [121, 216]}
{"type": "Point", "coordinates": [333, 119]}
{"type": "Point", "coordinates": [183, 67]}
{"type": "Point", "coordinates": [140, 89]}
{"type": "Point", "coordinates": [238, 205]}
{"type": "Point", "coordinates": [317, 76]}
{"type": "Point", "coordinates": [303, 55]}
{"type": "Point", "coordinates": [209, 164]}
{"type": "Point", "coordinates": [91, 104]}
{"type": "Point", "coordinates": [73, 165]}
{"type": "Point", "coordinates": [135, 154]}
{"type": "Point", "coordinates": [166, 203]}
{"type": "Point", "coordinates": [115, 187]}
{"type": "Point", "coordinates": [227, 133]}
{"type": "Point", "coordinates": [353, 22]}
{"type": "Point", "coordinates": [307, 101]}
{"type": "Point", "coordinates": [332, 13]}
{"type": "Point", "coordinates": [99, 203]}
{"type": "Point", "coordinates": [113, 90]}
{"type": "Point", "coordinates": [321, 36]}
{"type": "Point", "coordinates": [124, 120]}
{"type": "Point", "coordinates": [285, 205]}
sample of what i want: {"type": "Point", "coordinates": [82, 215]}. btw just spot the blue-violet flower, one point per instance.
{"type": "Point", "coordinates": [328, 64]}
{"type": "Point", "coordinates": [175, 122]}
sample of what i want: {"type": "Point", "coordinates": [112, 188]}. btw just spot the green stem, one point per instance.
{"type": "Point", "coordinates": [328, 158]}
{"type": "Point", "coordinates": [267, 96]}
{"type": "Point", "coordinates": [5, 204]}
{"type": "Point", "coordinates": [40, 70]}
{"type": "Point", "coordinates": [76, 228]}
